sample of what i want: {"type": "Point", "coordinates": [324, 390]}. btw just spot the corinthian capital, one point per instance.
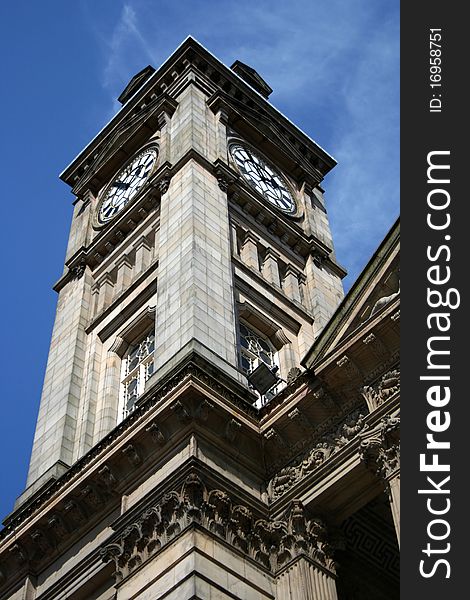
{"type": "Point", "coordinates": [380, 448]}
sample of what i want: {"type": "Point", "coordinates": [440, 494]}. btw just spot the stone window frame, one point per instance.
{"type": "Point", "coordinates": [268, 330]}
{"type": "Point", "coordinates": [134, 333]}
{"type": "Point", "coordinates": [144, 353]}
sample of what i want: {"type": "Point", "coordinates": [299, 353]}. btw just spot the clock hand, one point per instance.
{"type": "Point", "coordinates": [122, 185]}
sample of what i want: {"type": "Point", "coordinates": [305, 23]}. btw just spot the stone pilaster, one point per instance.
{"type": "Point", "coordinates": [290, 284]}
{"type": "Point", "coordinates": [249, 251]}
{"type": "Point", "coordinates": [106, 293]}
{"type": "Point", "coordinates": [142, 255]}
{"type": "Point", "coordinates": [270, 267]}
{"type": "Point", "coordinates": [221, 119]}
{"type": "Point", "coordinates": [164, 121]}
{"type": "Point", "coordinates": [304, 580]}
{"type": "Point", "coordinates": [124, 274]}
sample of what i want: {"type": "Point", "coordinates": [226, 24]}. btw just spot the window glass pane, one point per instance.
{"type": "Point", "coordinates": [149, 369]}
{"type": "Point", "coordinates": [137, 368]}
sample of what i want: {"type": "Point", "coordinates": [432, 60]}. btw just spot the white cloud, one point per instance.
{"type": "Point", "coordinates": [126, 34]}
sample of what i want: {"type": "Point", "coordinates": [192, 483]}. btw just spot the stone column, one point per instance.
{"type": "Point", "coordinates": [380, 451]}
{"type": "Point", "coordinates": [249, 251]}
{"type": "Point", "coordinates": [287, 359]}
{"type": "Point", "coordinates": [270, 267]}
{"type": "Point", "coordinates": [107, 415]}
{"type": "Point", "coordinates": [309, 574]}
{"type": "Point", "coordinates": [304, 580]}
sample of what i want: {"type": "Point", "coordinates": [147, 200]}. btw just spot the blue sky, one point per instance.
{"type": "Point", "coordinates": [334, 68]}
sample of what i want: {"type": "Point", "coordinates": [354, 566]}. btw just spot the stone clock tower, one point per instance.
{"type": "Point", "coordinates": [200, 273]}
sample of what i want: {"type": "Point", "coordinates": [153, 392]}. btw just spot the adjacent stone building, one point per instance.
{"type": "Point", "coordinates": [217, 421]}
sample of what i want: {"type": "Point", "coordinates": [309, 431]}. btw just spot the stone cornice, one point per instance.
{"type": "Point", "coordinates": [192, 55]}
{"type": "Point", "coordinates": [193, 367]}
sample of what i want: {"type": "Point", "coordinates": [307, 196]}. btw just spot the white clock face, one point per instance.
{"type": "Point", "coordinates": [126, 185]}
{"type": "Point", "coordinates": [263, 178]}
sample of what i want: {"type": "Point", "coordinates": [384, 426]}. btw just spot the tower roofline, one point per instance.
{"type": "Point", "coordinates": [191, 47]}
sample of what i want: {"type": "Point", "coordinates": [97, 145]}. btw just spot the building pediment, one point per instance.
{"type": "Point", "coordinates": [254, 122]}
{"type": "Point", "coordinates": [375, 292]}
{"type": "Point", "coordinates": [123, 141]}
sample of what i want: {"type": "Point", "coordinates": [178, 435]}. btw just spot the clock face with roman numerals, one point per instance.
{"type": "Point", "coordinates": [126, 185]}
{"type": "Point", "coordinates": [264, 178]}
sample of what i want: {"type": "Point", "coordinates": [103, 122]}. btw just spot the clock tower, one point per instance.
{"type": "Point", "coordinates": [199, 272]}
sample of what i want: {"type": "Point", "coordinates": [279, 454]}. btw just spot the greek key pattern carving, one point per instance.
{"type": "Point", "coordinates": [272, 543]}
{"type": "Point", "coordinates": [372, 546]}
{"type": "Point", "coordinates": [328, 445]}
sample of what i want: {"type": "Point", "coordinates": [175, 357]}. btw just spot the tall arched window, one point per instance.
{"type": "Point", "coordinates": [137, 367]}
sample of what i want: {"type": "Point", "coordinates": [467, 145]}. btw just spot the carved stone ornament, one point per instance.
{"type": "Point", "coordinates": [164, 183]}
{"type": "Point", "coordinates": [293, 374]}
{"type": "Point", "coordinates": [272, 543]}
{"type": "Point", "coordinates": [380, 448]}
{"type": "Point", "coordinates": [223, 181]}
{"type": "Point", "coordinates": [78, 270]}
{"type": "Point", "coordinates": [328, 445]}
{"type": "Point", "coordinates": [387, 386]}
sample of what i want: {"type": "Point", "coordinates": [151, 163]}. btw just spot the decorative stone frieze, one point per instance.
{"type": "Point", "coordinates": [271, 543]}
{"type": "Point", "coordinates": [328, 445]}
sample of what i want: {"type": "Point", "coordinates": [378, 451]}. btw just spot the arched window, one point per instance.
{"type": "Point", "coordinates": [137, 367]}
